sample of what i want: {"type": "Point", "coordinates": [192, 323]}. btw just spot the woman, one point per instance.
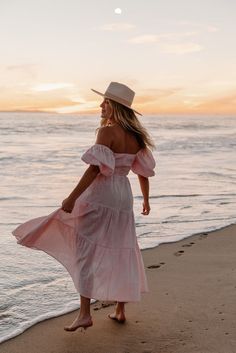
{"type": "Point", "coordinates": [93, 234]}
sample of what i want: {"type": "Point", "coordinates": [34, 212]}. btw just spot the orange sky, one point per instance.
{"type": "Point", "coordinates": [178, 58]}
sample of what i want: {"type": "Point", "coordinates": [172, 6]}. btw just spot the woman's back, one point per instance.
{"type": "Point", "coordinates": [123, 141]}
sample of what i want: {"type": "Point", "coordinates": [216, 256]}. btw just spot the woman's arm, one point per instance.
{"type": "Point", "coordinates": [87, 179]}
{"type": "Point", "coordinates": [104, 138]}
{"type": "Point", "coordinates": [144, 185]}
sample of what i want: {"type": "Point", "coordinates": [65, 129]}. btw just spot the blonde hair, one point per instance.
{"type": "Point", "coordinates": [128, 120]}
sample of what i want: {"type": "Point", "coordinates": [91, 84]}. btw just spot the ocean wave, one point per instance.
{"type": "Point", "coordinates": [23, 326]}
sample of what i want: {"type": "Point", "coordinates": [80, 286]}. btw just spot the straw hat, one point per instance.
{"type": "Point", "coordinates": [119, 93]}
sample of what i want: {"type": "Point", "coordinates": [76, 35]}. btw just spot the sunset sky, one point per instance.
{"type": "Point", "coordinates": [179, 56]}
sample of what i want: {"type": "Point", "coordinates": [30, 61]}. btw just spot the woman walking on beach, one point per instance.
{"type": "Point", "coordinates": [93, 234]}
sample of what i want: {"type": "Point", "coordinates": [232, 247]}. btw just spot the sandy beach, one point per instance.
{"type": "Point", "coordinates": [190, 307]}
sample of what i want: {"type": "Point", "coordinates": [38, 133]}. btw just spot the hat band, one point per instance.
{"type": "Point", "coordinates": [118, 99]}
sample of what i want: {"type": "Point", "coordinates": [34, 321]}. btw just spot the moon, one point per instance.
{"type": "Point", "coordinates": [118, 11]}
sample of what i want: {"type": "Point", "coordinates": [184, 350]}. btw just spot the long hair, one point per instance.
{"type": "Point", "coordinates": [128, 120]}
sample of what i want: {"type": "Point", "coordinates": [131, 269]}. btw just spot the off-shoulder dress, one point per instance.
{"type": "Point", "coordinates": [97, 241]}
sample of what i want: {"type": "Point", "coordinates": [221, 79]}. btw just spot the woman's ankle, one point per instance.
{"type": "Point", "coordinates": [84, 316]}
{"type": "Point", "coordinates": [120, 308]}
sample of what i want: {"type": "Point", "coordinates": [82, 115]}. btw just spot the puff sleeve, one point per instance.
{"type": "Point", "coordinates": [102, 156]}
{"type": "Point", "coordinates": [144, 163]}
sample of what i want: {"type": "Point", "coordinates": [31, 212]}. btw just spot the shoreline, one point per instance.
{"type": "Point", "coordinates": [62, 312]}
{"type": "Point", "coordinates": [191, 283]}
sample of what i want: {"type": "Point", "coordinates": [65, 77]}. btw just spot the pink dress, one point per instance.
{"type": "Point", "coordinates": [97, 241]}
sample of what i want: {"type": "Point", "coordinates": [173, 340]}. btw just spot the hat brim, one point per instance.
{"type": "Point", "coordinates": [107, 96]}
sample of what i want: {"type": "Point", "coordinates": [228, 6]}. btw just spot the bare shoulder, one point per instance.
{"type": "Point", "coordinates": [116, 129]}
{"type": "Point", "coordinates": [104, 136]}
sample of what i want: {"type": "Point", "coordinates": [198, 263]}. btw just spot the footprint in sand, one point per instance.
{"type": "Point", "coordinates": [103, 305]}
{"type": "Point", "coordinates": [179, 253]}
{"type": "Point", "coordinates": [203, 235]}
{"type": "Point", "coordinates": [156, 266]}
{"type": "Point", "coordinates": [188, 245]}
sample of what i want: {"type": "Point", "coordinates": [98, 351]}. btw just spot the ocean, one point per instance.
{"type": "Point", "coordinates": [40, 163]}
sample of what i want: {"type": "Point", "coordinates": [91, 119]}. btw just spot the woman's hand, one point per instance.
{"type": "Point", "coordinates": [146, 208]}
{"type": "Point", "coordinates": [68, 205]}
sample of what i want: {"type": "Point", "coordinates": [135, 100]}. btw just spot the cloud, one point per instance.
{"type": "Point", "coordinates": [181, 48]}
{"type": "Point", "coordinates": [199, 26]}
{"type": "Point", "coordinates": [148, 96]}
{"type": "Point", "coordinates": [32, 103]}
{"type": "Point", "coordinates": [222, 104]}
{"type": "Point", "coordinates": [117, 27]}
{"type": "Point", "coordinates": [174, 43]}
{"type": "Point", "coordinates": [212, 29]}
{"type": "Point", "coordinates": [148, 38]}
{"type": "Point", "coordinates": [78, 99]}
{"type": "Point", "coordinates": [177, 42]}
{"type": "Point", "coordinates": [43, 87]}
{"type": "Point", "coordinates": [83, 108]}
{"type": "Point", "coordinates": [155, 38]}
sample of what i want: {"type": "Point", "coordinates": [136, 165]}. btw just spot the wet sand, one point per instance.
{"type": "Point", "coordinates": [190, 307]}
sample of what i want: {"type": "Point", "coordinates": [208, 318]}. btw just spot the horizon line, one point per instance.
{"type": "Point", "coordinates": [148, 114]}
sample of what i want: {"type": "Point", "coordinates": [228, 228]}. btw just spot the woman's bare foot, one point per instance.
{"type": "Point", "coordinates": [120, 317]}
{"type": "Point", "coordinates": [84, 322]}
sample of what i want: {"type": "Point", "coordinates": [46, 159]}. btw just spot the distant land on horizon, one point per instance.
{"type": "Point", "coordinates": [97, 113]}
